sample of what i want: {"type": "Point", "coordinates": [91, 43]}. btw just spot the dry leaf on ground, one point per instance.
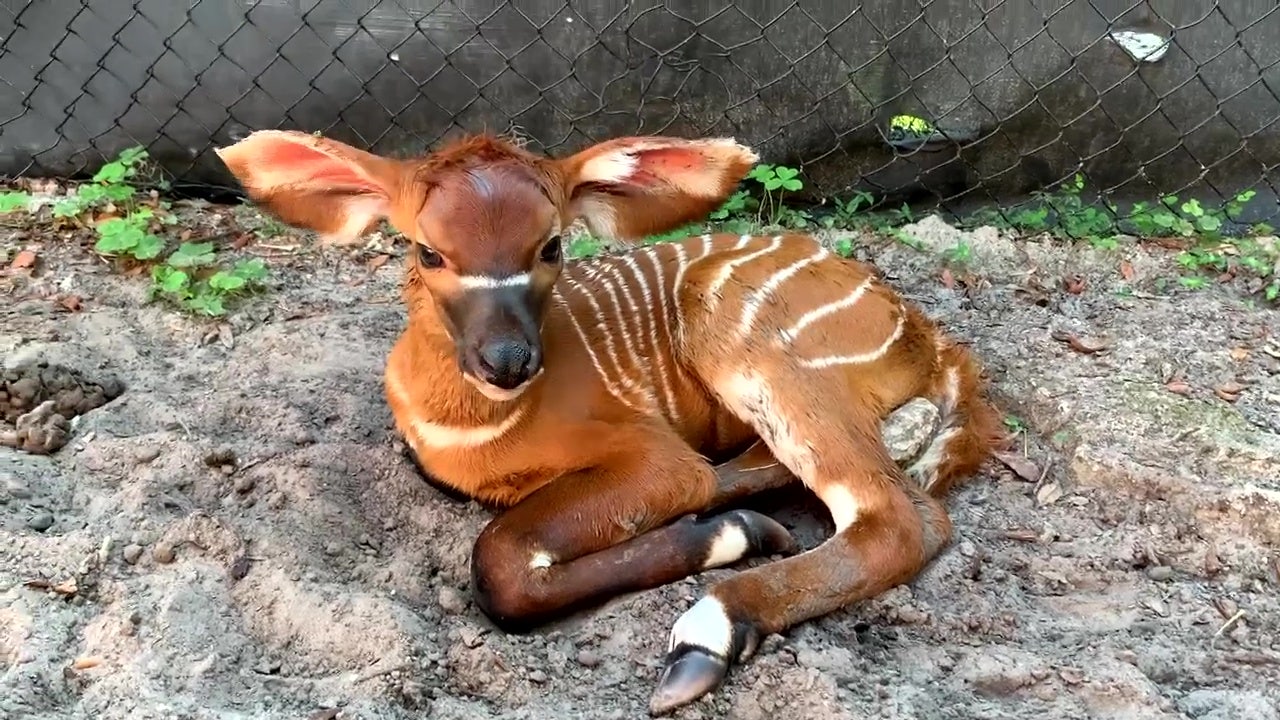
{"type": "Point", "coordinates": [1229, 391]}
{"type": "Point", "coordinates": [1083, 344]}
{"type": "Point", "coordinates": [24, 260]}
{"type": "Point", "coordinates": [1021, 465]}
{"type": "Point", "coordinates": [1048, 494]}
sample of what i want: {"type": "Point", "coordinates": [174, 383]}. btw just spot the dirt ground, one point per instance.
{"type": "Point", "coordinates": [237, 534]}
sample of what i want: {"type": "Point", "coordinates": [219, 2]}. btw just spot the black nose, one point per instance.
{"type": "Point", "coordinates": [505, 363]}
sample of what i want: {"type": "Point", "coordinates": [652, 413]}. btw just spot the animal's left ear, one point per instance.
{"type": "Point", "coordinates": [629, 188]}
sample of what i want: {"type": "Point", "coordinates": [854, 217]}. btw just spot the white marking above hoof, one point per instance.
{"type": "Point", "coordinates": [705, 625]}
{"type": "Point", "coordinates": [728, 546]}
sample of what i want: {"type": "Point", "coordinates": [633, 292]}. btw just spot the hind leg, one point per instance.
{"type": "Point", "coordinates": [908, 432]}
{"type": "Point", "coordinates": [886, 527]}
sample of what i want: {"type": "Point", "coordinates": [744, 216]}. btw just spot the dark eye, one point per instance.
{"type": "Point", "coordinates": [429, 258]}
{"type": "Point", "coordinates": [550, 252]}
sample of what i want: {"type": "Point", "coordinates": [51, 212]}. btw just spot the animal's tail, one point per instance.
{"type": "Point", "coordinates": [970, 429]}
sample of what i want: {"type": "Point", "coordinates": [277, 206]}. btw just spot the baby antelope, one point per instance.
{"type": "Point", "coordinates": [613, 408]}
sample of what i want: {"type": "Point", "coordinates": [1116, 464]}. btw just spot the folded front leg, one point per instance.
{"type": "Point", "coordinates": [607, 530]}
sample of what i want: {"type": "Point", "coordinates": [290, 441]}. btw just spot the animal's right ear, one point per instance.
{"type": "Point", "coordinates": [311, 182]}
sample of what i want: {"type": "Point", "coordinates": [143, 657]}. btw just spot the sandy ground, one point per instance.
{"type": "Point", "coordinates": [237, 534]}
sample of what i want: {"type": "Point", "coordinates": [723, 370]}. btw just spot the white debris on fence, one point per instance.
{"type": "Point", "coordinates": [1141, 46]}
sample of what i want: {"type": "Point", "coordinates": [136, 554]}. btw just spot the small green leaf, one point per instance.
{"type": "Point", "coordinates": [792, 184]}
{"type": "Point", "coordinates": [148, 247]}
{"type": "Point", "coordinates": [112, 172]}
{"type": "Point", "coordinates": [174, 281]}
{"type": "Point", "coordinates": [252, 269]}
{"type": "Point", "coordinates": [772, 183]}
{"type": "Point", "coordinates": [225, 281]}
{"type": "Point", "coordinates": [1209, 223]}
{"type": "Point", "coordinates": [786, 173]}
{"type": "Point", "coordinates": [189, 255]}
{"type": "Point", "coordinates": [207, 303]}
{"type": "Point", "coordinates": [14, 201]}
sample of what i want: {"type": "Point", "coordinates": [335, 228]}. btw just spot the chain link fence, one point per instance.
{"type": "Point", "coordinates": [940, 102]}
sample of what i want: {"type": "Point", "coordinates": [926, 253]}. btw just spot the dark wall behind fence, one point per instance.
{"type": "Point", "coordinates": [1029, 90]}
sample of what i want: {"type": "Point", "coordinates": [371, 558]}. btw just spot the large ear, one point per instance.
{"type": "Point", "coordinates": [628, 188]}
{"type": "Point", "coordinates": [313, 182]}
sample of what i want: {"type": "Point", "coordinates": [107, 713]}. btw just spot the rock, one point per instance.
{"type": "Point", "coordinates": [451, 601]}
{"type": "Point", "coordinates": [1159, 573]}
{"type": "Point", "coordinates": [537, 677]}
{"type": "Point", "coordinates": [131, 553]}
{"type": "Point", "coordinates": [163, 553]}
{"type": "Point", "coordinates": [146, 455]}
{"type": "Point", "coordinates": [588, 658]}
{"type": "Point", "coordinates": [245, 484]}
{"type": "Point", "coordinates": [16, 489]}
{"type": "Point", "coordinates": [41, 521]}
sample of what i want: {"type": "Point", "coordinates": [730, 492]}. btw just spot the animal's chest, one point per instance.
{"type": "Point", "coordinates": [504, 469]}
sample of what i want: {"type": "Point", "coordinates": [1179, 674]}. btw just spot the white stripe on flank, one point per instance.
{"type": "Point", "coordinates": [726, 270]}
{"type": "Point", "coordinates": [610, 348]}
{"type": "Point", "coordinates": [637, 359]}
{"type": "Point", "coordinates": [866, 357]}
{"type": "Point", "coordinates": [609, 385]}
{"type": "Point", "coordinates": [657, 355]}
{"type": "Point", "coordinates": [751, 306]}
{"type": "Point", "coordinates": [820, 312]}
{"type": "Point", "coordinates": [489, 282]}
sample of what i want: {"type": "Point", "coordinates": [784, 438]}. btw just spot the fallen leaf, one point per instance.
{"type": "Point", "coordinates": [1156, 606]}
{"type": "Point", "coordinates": [1085, 345]}
{"type": "Point", "coordinates": [1212, 563]}
{"type": "Point", "coordinates": [948, 280]}
{"type": "Point", "coordinates": [72, 303]}
{"type": "Point", "coordinates": [1226, 607]}
{"type": "Point", "coordinates": [239, 568]}
{"type": "Point", "coordinates": [225, 336]}
{"type": "Point", "coordinates": [377, 261]}
{"type": "Point", "coordinates": [1048, 494]}
{"type": "Point", "coordinates": [1020, 465]}
{"type": "Point", "coordinates": [185, 235]}
{"type": "Point", "coordinates": [1021, 535]}
{"type": "Point", "coordinates": [1178, 387]}
{"type": "Point", "coordinates": [1226, 277]}
{"type": "Point", "coordinates": [84, 663]}
{"type": "Point", "coordinates": [1071, 676]}
{"type": "Point", "coordinates": [1073, 284]}
{"type": "Point", "coordinates": [1126, 270]}
{"type": "Point", "coordinates": [23, 260]}
{"type": "Point", "coordinates": [66, 587]}
{"type": "Point", "coordinates": [241, 241]}
{"type": "Point", "coordinates": [1229, 391]}
{"type": "Point", "coordinates": [327, 714]}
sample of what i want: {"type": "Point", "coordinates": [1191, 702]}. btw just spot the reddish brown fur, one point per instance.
{"type": "Point", "coordinates": [651, 367]}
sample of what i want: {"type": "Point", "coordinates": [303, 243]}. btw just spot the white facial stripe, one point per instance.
{"type": "Point", "coordinates": [489, 282]}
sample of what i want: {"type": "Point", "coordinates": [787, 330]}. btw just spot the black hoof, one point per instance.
{"type": "Point", "coordinates": [690, 673]}
{"type": "Point", "coordinates": [767, 535]}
